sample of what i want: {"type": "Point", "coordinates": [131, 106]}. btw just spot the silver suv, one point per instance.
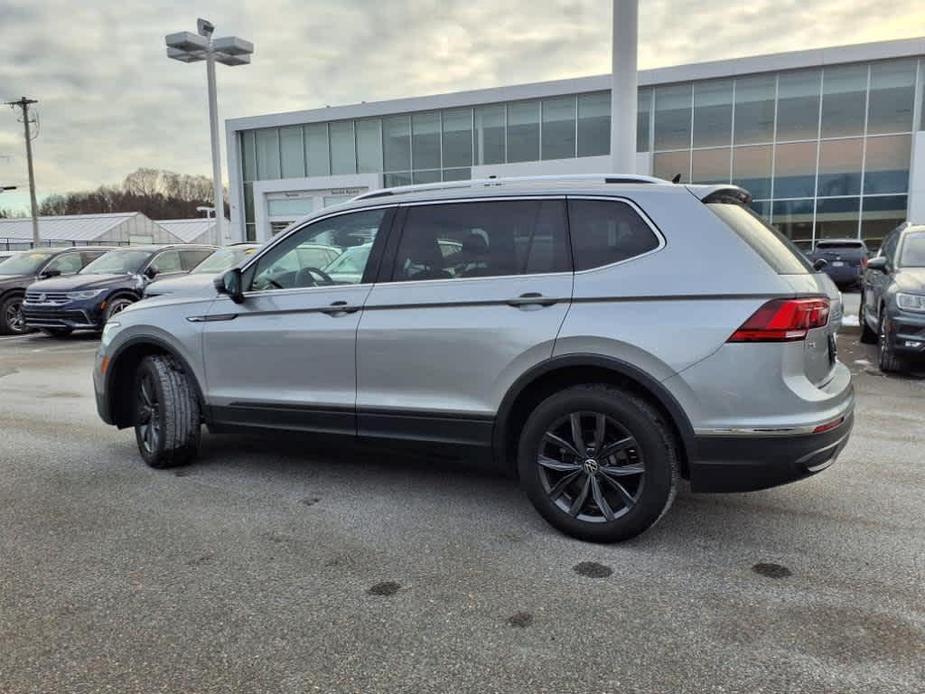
{"type": "Point", "coordinates": [600, 336]}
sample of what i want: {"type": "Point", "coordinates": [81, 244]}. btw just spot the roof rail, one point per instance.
{"type": "Point", "coordinates": [491, 182]}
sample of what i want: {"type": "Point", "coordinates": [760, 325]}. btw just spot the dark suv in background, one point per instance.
{"type": "Point", "coordinates": [86, 300]}
{"type": "Point", "coordinates": [845, 260]}
{"type": "Point", "coordinates": [25, 267]}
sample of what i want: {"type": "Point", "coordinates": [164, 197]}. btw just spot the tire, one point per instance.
{"type": "Point", "coordinates": [868, 336]}
{"type": "Point", "coordinates": [57, 332]}
{"type": "Point", "coordinates": [886, 357]}
{"type": "Point", "coordinates": [11, 319]}
{"type": "Point", "coordinates": [167, 413]}
{"type": "Point", "coordinates": [115, 306]}
{"type": "Point", "coordinates": [648, 450]}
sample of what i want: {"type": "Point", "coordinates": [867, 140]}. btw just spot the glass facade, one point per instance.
{"type": "Point", "coordinates": [824, 151]}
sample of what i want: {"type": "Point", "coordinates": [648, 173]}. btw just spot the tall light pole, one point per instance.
{"type": "Point", "coordinates": [229, 50]}
{"type": "Point", "coordinates": [623, 86]}
{"type": "Point", "coordinates": [24, 104]}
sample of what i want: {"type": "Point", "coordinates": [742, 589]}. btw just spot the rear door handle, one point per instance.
{"type": "Point", "coordinates": [531, 299]}
{"type": "Point", "coordinates": [340, 307]}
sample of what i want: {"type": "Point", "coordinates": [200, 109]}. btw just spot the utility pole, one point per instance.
{"type": "Point", "coordinates": [24, 104]}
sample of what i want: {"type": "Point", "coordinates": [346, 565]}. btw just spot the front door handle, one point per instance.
{"type": "Point", "coordinates": [531, 299]}
{"type": "Point", "coordinates": [340, 307]}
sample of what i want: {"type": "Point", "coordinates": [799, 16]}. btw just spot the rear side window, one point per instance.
{"type": "Point", "coordinates": [482, 239]}
{"type": "Point", "coordinates": [777, 250]}
{"type": "Point", "coordinates": [607, 231]}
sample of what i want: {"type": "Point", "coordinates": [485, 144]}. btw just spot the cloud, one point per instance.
{"type": "Point", "coordinates": [110, 101]}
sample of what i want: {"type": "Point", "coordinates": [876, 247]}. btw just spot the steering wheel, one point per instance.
{"type": "Point", "coordinates": [325, 277]}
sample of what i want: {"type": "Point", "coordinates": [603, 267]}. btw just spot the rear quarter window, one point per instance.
{"type": "Point", "coordinates": [607, 231]}
{"type": "Point", "coordinates": [776, 249]}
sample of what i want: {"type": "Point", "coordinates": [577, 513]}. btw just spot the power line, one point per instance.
{"type": "Point", "coordinates": [24, 103]}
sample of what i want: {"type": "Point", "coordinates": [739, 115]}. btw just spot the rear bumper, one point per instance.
{"type": "Point", "coordinates": [739, 463]}
{"type": "Point", "coordinates": [844, 274]}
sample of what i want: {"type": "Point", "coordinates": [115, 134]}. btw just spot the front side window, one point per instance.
{"type": "Point", "coordinates": [223, 259]}
{"type": "Point", "coordinates": [607, 231]}
{"type": "Point", "coordinates": [192, 258]}
{"type": "Point", "coordinates": [167, 262]}
{"type": "Point", "coordinates": [913, 250]}
{"type": "Point", "coordinates": [482, 239]}
{"type": "Point", "coordinates": [309, 257]}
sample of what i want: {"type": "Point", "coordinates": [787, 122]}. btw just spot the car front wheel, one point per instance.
{"type": "Point", "coordinates": [116, 306]}
{"type": "Point", "coordinates": [598, 463]}
{"type": "Point", "coordinates": [868, 336]}
{"type": "Point", "coordinates": [167, 413]}
{"type": "Point", "coordinates": [886, 357]}
{"type": "Point", "coordinates": [12, 321]}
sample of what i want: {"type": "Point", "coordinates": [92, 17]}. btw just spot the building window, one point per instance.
{"type": "Point", "coordinates": [798, 105]}
{"type": "Point", "coordinates": [594, 124]}
{"type": "Point", "coordinates": [292, 154]}
{"type": "Point", "coordinates": [795, 170]}
{"type": "Point", "coordinates": [673, 117]}
{"type": "Point", "coordinates": [887, 164]}
{"type": "Point", "coordinates": [712, 113]}
{"type": "Point", "coordinates": [425, 141]}
{"type": "Point", "coordinates": [751, 169]}
{"type": "Point", "coordinates": [840, 167]}
{"type": "Point", "coordinates": [754, 109]}
{"type": "Point", "coordinates": [892, 97]}
{"type": "Point", "coordinates": [248, 156]}
{"type": "Point", "coordinates": [667, 165]}
{"type": "Point", "coordinates": [432, 176]}
{"type": "Point", "coordinates": [457, 174]}
{"type": "Point", "coordinates": [369, 145]}
{"type": "Point", "coordinates": [837, 218]}
{"type": "Point", "coordinates": [559, 128]}
{"type": "Point", "coordinates": [881, 214]}
{"type": "Point", "coordinates": [643, 111]}
{"type": "Point", "coordinates": [267, 154]}
{"type": "Point", "coordinates": [457, 137]}
{"type": "Point", "coordinates": [396, 143]}
{"type": "Point", "coordinates": [710, 165]}
{"type": "Point", "coordinates": [343, 148]}
{"type": "Point", "coordinates": [489, 134]}
{"type": "Point", "coordinates": [400, 178]}
{"type": "Point", "coordinates": [317, 154]}
{"type": "Point", "coordinates": [523, 131]}
{"type": "Point", "coordinates": [794, 219]}
{"type": "Point", "coordinates": [844, 95]}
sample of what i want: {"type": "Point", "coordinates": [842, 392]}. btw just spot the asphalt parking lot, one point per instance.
{"type": "Point", "coordinates": [272, 565]}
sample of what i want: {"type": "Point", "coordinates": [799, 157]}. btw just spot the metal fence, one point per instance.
{"type": "Point", "coordinates": [10, 244]}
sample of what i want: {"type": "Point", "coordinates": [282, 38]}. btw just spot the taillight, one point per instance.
{"type": "Point", "coordinates": [783, 320]}
{"type": "Point", "coordinates": [863, 262]}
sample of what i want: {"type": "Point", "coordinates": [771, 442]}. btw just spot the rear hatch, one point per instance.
{"type": "Point", "coordinates": [817, 351]}
{"type": "Point", "coordinates": [841, 253]}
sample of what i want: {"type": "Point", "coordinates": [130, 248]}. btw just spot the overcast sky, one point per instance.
{"type": "Point", "coordinates": [110, 101]}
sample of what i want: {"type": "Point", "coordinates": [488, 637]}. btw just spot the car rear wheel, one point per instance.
{"type": "Point", "coordinates": [868, 336]}
{"type": "Point", "coordinates": [598, 463]}
{"type": "Point", "coordinates": [886, 357]}
{"type": "Point", "coordinates": [167, 413]}
{"type": "Point", "coordinates": [12, 321]}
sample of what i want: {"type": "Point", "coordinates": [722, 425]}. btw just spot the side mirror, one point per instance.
{"type": "Point", "coordinates": [819, 263]}
{"type": "Point", "coordinates": [50, 273]}
{"type": "Point", "coordinates": [230, 284]}
{"type": "Point", "coordinates": [150, 272]}
{"type": "Point", "coordinates": [879, 263]}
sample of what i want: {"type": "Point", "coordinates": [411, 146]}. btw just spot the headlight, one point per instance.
{"type": "Point", "coordinates": [85, 294]}
{"type": "Point", "coordinates": [911, 302]}
{"type": "Point", "coordinates": [109, 331]}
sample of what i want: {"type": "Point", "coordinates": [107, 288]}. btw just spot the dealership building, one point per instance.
{"type": "Point", "coordinates": [829, 142]}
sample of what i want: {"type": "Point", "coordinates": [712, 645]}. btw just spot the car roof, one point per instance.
{"type": "Point", "coordinates": [166, 247]}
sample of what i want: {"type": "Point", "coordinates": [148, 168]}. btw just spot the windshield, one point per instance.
{"type": "Point", "coordinates": [913, 251]}
{"type": "Point", "coordinates": [223, 259]}
{"type": "Point", "coordinates": [24, 263]}
{"type": "Point", "coordinates": [117, 263]}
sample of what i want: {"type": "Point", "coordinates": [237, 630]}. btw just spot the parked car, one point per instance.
{"type": "Point", "coordinates": [25, 267]}
{"type": "Point", "coordinates": [581, 334]}
{"type": "Point", "coordinates": [200, 277]}
{"type": "Point", "coordinates": [892, 312]}
{"type": "Point", "coordinates": [89, 298]}
{"type": "Point", "coordinates": [4, 254]}
{"type": "Point", "coordinates": [845, 260]}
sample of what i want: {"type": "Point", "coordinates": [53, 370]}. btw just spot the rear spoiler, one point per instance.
{"type": "Point", "coordinates": [723, 193]}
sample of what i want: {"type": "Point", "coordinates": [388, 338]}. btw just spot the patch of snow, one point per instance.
{"type": "Point", "coordinates": [850, 321]}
